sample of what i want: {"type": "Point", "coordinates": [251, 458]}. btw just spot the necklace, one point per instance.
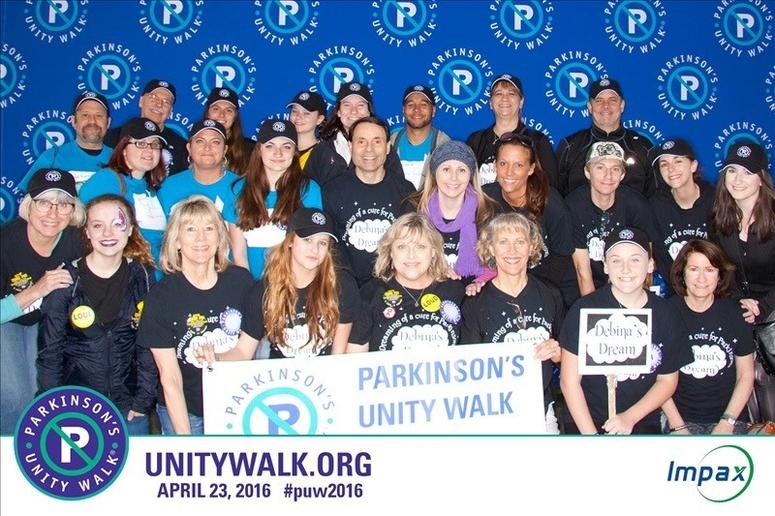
{"type": "Point", "coordinates": [415, 299]}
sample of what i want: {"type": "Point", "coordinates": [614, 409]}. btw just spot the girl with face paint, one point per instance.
{"type": "Point", "coordinates": [88, 330]}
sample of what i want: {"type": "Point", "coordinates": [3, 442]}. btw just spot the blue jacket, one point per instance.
{"type": "Point", "coordinates": [102, 359]}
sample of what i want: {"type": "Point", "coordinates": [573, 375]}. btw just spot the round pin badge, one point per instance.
{"type": "Point", "coordinates": [450, 312]}
{"type": "Point", "coordinates": [392, 297]}
{"type": "Point", "coordinates": [82, 317]}
{"type": "Point", "coordinates": [389, 312]}
{"type": "Point", "coordinates": [430, 302]}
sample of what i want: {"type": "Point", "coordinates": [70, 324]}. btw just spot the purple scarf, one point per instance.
{"type": "Point", "coordinates": [467, 262]}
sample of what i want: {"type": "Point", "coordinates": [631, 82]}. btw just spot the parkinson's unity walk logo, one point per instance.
{"type": "Point", "coordinates": [71, 443]}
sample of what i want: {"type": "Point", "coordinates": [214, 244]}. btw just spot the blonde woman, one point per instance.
{"type": "Point", "coordinates": [199, 303]}
{"type": "Point", "coordinates": [410, 304]}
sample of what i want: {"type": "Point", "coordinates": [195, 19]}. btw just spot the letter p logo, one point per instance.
{"type": "Point", "coordinates": [744, 21]}
{"type": "Point", "coordinates": [224, 73]}
{"type": "Point", "coordinates": [108, 72]}
{"type": "Point", "coordinates": [286, 412]}
{"type": "Point", "coordinates": [171, 6]}
{"type": "Point", "coordinates": [578, 81]}
{"type": "Point", "coordinates": [522, 13]}
{"type": "Point", "coordinates": [691, 82]}
{"type": "Point", "coordinates": [636, 16]}
{"type": "Point", "coordinates": [287, 8]}
{"type": "Point", "coordinates": [342, 75]}
{"type": "Point", "coordinates": [55, 7]}
{"type": "Point", "coordinates": [78, 435]}
{"type": "Point", "coordinates": [54, 138]}
{"type": "Point", "coordinates": [461, 76]}
{"type": "Point", "coordinates": [403, 10]}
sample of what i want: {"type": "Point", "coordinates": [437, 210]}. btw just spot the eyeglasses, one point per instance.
{"type": "Point", "coordinates": [62, 208]}
{"type": "Point", "coordinates": [162, 100]}
{"type": "Point", "coordinates": [515, 138]}
{"type": "Point", "coordinates": [142, 144]}
{"type": "Point", "coordinates": [521, 320]}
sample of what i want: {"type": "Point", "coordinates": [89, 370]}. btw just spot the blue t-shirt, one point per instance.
{"type": "Point", "coordinates": [150, 215]}
{"type": "Point", "coordinates": [183, 185]}
{"type": "Point", "coordinates": [69, 156]}
{"type": "Point", "coordinates": [413, 157]}
{"type": "Point", "coordinates": [259, 240]}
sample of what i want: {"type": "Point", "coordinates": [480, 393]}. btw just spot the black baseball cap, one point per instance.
{"type": "Point", "coordinates": [603, 84]}
{"type": "Point", "coordinates": [354, 88]}
{"type": "Point", "coordinates": [46, 179]}
{"type": "Point", "coordinates": [272, 129]}
{"type": "Point", "coordinates": [422, 90]}
{"type": "Point", "coordinates": [207, 123]}
{"type": "Point", "coordinates": [509, 78]}
{"type": "Point", "coordinates": [671, 147]}
{"type": "Point", "coordinates": [140, 128]}
{"type": "Point", "coordinates": [155, 84]}
{"type": "Point", "coordinates": [306, 222]}
{"type": "Point", "coordinates": [222, 94]}
{"type": "Point", "coordinates": [309, 100]}
{"type": "Point", "coordinates": [91, 95]}
{"type": "Point", "coordinates": [627, 235]}
{"type": "Point", "coordinates": [748, 155]}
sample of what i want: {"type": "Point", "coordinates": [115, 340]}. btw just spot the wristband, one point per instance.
{"type": "Point", "coordinates": [682, 427]}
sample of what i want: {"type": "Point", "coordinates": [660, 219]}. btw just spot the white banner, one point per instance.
{"type": "Point", "coordinates": [479, 389]}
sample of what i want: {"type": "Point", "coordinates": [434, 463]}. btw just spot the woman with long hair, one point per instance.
{"type": "Point", "coordinates": [88, 330]}
{"type": "Point", "coordinates": [271, 191]}
{"type": "Point", "coordinates": [712, 390]}
{"type": "Point", "coordinates": [135, 171]}
{"type": "Point", "coordinates": [304, 306]}
{"type": "Point", "coordinates": [34, 248]}
{"type": "Point", "coordinates": [521, 186]}
{"type": "Point", "coordinates": [744, 226]}
{"type": "Point", "coordinates": [222, 105]}
{"type": "Point", "coordinates": [452, 199]}
{"type": "Point", "coordinates": [198, 303]}
{"type": "Point", "coordinates": [681, 212]}
{"type": "Point", "coordinates": [410, 304]}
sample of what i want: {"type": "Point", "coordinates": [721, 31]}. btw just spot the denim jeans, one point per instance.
{"type": "Point", "coordinates": [197, 422]}
{"type": "Point", "coordinates": [138, 425]}
{"type": "Point", "coordinates": [18, 374]}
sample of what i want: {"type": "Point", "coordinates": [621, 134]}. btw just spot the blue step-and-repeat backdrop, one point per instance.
{"type": "Point", "coordinates": [700, 69]}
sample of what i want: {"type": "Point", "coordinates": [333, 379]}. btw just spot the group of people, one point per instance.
{"type": "Point", "coordinates": [133, 265]}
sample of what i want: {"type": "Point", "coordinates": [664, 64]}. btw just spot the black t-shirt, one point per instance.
{"type": "Point", "coordinates": [394, 317]}
{"type": "Point", "coordinates": [21, 266]}
{"type": "Point", "coordinates": [297, 331]}
{"type": "Point", "coordinates": [179, 316]}
{"type": "Point", "coordinates": [675, 226]}
{"type": "Point", "coordinates": [534, 316]}
{"type": "Point", "coordinates": [666, 344]}
{"type": "Point", "coordinates": [556, 228]}
{"type": "Point", "coordinates": [362, 213]}
{"type": "Point", "coordinates": [591, 225]}
{"type": "Point", "coordinates": [483, 144]}
{"type": "Point", "coordinates": [105, 294]}
{"type": "Point", "coordinates": [715, 337]}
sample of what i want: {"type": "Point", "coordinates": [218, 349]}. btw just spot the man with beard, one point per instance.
{"type": "Point", "coordinates": [418, 138]}
{"type": "Point", "coordinates": [156, 105]}
{"type": "Point", "coordinates": [88, 153]}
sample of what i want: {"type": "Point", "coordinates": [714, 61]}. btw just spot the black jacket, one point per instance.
{"type": "Point", "coordinates": [102, 359]}
{"type": "Point", "coordinates": [325, 164]}
{"type": "Point", "coordinates": [572, 156]}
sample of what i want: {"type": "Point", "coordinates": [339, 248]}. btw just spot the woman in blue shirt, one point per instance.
{"type": "Point", "coordinates": [273, 188]}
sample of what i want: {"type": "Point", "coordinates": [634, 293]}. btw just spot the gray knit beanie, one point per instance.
{"type": "Point", "coordinates": [453, 149]}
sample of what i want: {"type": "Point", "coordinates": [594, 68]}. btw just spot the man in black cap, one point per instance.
{"type": "Point", "coordinates": [156, 105]}
{"type": "Point", "coordinates": [506, 101]}
{"type": "Point", "coordinates": [606, 105]}
{"type": "Point", "coordinates": [88, 153]}
{"type": "Point", "coordinates": [418, 138]}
